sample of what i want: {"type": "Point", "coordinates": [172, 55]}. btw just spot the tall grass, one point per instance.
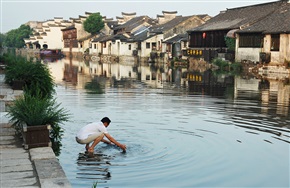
{"type": "Point", "coordinates": [33, 74]}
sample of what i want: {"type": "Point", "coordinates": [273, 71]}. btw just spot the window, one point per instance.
{"type": "Point", "coordinates": [104, 44]}
{"type": "Point", "coordinates": [209, 39]}
{"type": "Point", "coordinates": [129, 46]}
{"type": "Point", "coordinates": [153, 45]}
{"type": "Point", "coordinates": [95, 46]}
{"type": "Point", "coordinates": [275, 42]}
{"type": "Point", "coordinates": [66, 43]}
{"type": "Point", "coordinates": [184, 44]}
{"type": "Point", "coordinates": [147, 77]}
{"type": "Point", "coordinates": [147, 45]}
{"type": "Point", "coordinates": [251, 40]}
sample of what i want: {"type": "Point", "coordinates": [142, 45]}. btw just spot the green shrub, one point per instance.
{"type": "Point", "coordinates": [33, 74]}
{"type": "Point", "coordinates": [36, 110]}
{"type": "Point", "coordinates": [94, 87]}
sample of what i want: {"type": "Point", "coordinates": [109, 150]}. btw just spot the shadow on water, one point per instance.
{"type": "Point", "coordinates": [94, 166]}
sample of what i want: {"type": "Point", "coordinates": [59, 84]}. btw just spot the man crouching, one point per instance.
{"type": "Point", "coordinates": [95, 132]}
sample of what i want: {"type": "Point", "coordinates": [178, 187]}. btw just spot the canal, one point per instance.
{"type": "Point", "coordinates": [214, 131]}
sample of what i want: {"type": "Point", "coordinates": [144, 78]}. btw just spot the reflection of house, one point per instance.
{"type": "Point", "coordinates": [209, 38]}
{"type": "Point", "coordinates": [267, 40]}
{"type": "Point", "coordinates": [152, 76]}
{"type": "Point", "coordinates": [208, 83]}
{"type": "Point", "coordinates": [267, 90]}
{"type": "Point", "coordinates": [70, 72]}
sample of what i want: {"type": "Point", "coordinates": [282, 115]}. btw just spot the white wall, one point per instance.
{"type": "Point", "coordinates": [252, 54]}
{"type": "Point", "coordinates": [53, 39]}
{"type": "Point", "coordinates": [145, 52]}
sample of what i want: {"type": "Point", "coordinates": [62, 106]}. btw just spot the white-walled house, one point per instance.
{"type": "Point", "coordinates": [120, 44]}
{"type": "Point", "coordinates": [207, 41]}
{"type": "Point", "coordinates": [48, 35]}
{"type": "Point", "coordinates": [270, 38]}
{"type": "Point", "coordinates": [76, 40]}
{"type": "Point", "coordinates": [169, 26]}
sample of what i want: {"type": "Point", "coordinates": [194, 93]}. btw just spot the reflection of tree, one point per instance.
{"type": "Point", "coordinates": [56, 146]}
{"type": "Point", "coordinates": [94, 87]}
{"type": "Point", "coordinates": [55, 137]}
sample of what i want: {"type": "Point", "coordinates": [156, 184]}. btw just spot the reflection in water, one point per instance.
{"type": "Point", "coordinates": [79, 73]}
{"type": "Point", "coordinates": [94, 166]}
{"type": "Point", "coordinates": [204, 131]}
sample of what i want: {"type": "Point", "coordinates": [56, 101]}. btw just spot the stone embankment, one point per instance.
{"type": "Point", "coordinates": [33, 168]}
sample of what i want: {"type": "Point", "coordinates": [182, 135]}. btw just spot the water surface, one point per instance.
{"type": "Point", "coordinates": [176, 138]}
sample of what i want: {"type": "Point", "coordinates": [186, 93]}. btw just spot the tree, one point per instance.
{"type": "Point", "coordinates": [2, 37]}
{"type": "Point", "coordinates": [230, 43]}
{"type": "Point", "coordinates": [15, 37]}
{"type": "Point", "coordinates": [94, 23]}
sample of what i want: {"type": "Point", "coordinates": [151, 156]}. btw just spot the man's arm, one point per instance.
{"type": "Point", "coordinates": [122, 146]}
{"type": "Point", "coordinates": [106, 141]}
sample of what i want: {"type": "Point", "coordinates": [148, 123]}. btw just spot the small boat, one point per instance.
{"type": "Point", "coordinates": [51, 53]}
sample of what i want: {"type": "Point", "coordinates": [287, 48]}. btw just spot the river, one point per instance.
{"type": "Point", "coordinates": [225, 131]}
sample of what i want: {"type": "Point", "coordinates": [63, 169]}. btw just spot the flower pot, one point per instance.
{"type": "Point", "coordinates": [18, 85]}
{"type": "Point", "coordinates": [36, 136]}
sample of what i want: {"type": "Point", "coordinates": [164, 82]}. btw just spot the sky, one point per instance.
{"type": "Point", "coordinates": [17, 12]}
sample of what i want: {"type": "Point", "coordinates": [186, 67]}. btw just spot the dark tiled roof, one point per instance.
{"type": "Point", "coordinates": [239, 17]}
{"type": "Point", "coordinates": [278, 22]}
{"type": "Point", "coordinates": [140, 30]}
{"type": "Point", "coordinates": [101, 38]}
{"type": "Point", "coordinates": [172, 23]}
{"type": "Point", "coordinates": [104, 38]}
{"type": "Point", "coordinates": [112, 24]}
{"type": "Point", "coordinates": [129, 14]}
{"type": "Point", "coordinates": [177, 38]}
{"type": "Point", "coordinates": [120, 37]}
{"type": "Point", "coordinates": [168, 25]}
{"type": "Point", "coordinates": [135, 22]}
{"type": "Point", "coordinates": [169, 12]}
{"type": "Point", "coordinates": [86, 38]}
{"type": "Point", "coordinates": [81, 16]}
{"type": "Point", "coordinates": [141, 36]}
{"type": "Point", "coordinates": [69, 28]}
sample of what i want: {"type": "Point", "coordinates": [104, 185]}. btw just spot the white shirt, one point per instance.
{"type": "Point", "coordinates": [91, 128]}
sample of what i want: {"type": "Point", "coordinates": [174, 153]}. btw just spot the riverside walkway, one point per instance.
{"type": "Point", "coordinates": [33, 168]}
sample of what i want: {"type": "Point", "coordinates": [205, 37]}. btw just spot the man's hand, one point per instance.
{"type": "Point", "coordinates": [123, 147]}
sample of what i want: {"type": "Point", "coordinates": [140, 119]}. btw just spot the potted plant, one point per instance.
{"type": "Point", "coordinates": [36, 117]}
{"type": "Point", "coordinates": [28, 75]}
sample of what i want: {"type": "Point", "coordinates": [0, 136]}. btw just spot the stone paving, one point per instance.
{"type": "Point", "coordinates": [33, 168]}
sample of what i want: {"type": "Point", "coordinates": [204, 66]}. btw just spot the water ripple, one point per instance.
{"type": "Point", "coordinates": [176, 140]}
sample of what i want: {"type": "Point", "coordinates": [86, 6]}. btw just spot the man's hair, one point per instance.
{"type": "Point", "coordinates": [106, 119]}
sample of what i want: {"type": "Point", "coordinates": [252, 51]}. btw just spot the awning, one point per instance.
{"type": "Point", "coordinates": [232, 33]}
